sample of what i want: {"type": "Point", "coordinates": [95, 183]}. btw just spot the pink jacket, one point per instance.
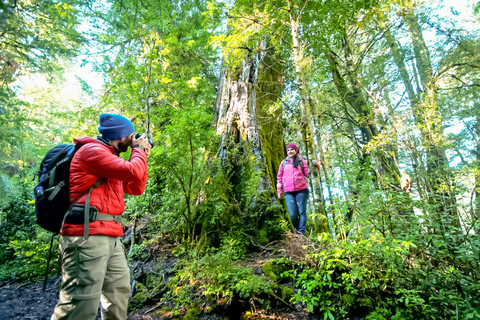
{"type": "Point", "coordinates": [292, 179]}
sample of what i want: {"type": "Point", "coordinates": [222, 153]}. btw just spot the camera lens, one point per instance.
{"type": "Point", "coordinates": [138, 135]}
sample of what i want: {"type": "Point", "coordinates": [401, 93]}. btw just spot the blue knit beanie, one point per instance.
{"type": "Point", "coordinates": [114, 126]}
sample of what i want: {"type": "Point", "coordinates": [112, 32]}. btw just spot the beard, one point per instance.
{"type": "Point", "coordinates": [123, 145]}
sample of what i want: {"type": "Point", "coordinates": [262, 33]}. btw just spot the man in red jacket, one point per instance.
{"type": "Point", "coordinates": [94, 265]}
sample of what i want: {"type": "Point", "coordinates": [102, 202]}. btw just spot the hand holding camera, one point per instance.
{"type": "Point", "coordinates": [142, 142]}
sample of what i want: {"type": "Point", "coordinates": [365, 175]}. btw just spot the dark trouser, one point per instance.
{"type": "Point", "coordinates": [297, 208]}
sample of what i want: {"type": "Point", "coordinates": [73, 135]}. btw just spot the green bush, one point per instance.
{"type": "Point", "coordinates": [30, 258]}
{"type": "Point", "coordinates": [217, 277]}
{"type": "Point", "coordinates": [24, 247]}
{"type": "Point", "coordinates": [383, 278]}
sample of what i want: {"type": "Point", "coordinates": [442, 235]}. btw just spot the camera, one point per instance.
{"type": "Point", "coordinates": [138, 135]}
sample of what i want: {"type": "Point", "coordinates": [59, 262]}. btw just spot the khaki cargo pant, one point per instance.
{"type": "Point", "coordinates": [93, 271]}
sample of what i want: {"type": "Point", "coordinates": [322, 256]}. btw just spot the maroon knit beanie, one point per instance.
{"type": "Point", "coordinates": [293, 146]}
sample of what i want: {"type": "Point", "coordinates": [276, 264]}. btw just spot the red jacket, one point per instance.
{"type": "Point", "coordinates": [98, 160]}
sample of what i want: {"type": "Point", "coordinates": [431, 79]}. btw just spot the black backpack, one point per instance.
{"type": "Point", "coordinates": [52, 191]}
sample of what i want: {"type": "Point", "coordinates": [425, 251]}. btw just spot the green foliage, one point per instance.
{"type": "Point", "coordinates": [141, 295]}
{"type": "Point", "coordinates": [17, 224]}
{"type": "Point", "coordinates": [217, 277]}
{"type": "Point", "coordinates": [383, 278]}
{"type": "Point", "coordinates": [137, 252]}
{"type": "Point", "coordinates": [287, 293]}
{"type": "Point", "coordinates": [37, 33]}
{"type": "Point", "coordinates": [192, 313]}
{"type": "Point", "coordinates": [23, 251]}
{"type": "Point", "coordinates": [234, 244]}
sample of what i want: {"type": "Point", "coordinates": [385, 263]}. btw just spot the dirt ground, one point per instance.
{"type": "Point", "coordinates": [26, 301]}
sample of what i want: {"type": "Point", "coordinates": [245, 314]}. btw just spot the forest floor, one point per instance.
{"type": "Point", "coordinates": [26, 301]}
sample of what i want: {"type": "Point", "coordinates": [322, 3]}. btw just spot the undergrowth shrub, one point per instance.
{"type": "Point", "coordinates": [220, 280]}
{"type": "Point", "coordinates": [24, 247]}
{"type": "Point", "coordinates": [379, 277]}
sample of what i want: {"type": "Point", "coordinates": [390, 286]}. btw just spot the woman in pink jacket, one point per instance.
{"type": "Point", "coordinates": [291, 178]}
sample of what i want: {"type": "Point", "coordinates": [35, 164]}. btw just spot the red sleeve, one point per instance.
{"type": "Point", "coordinates": [136, 189]}
{"type": "Point", "coordinates": [100, 162]}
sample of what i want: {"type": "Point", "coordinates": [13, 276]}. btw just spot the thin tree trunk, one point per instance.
{"type": "Point", "coordinates": [477, 169]}
{"type": "Point", "coordinates": [323, 165]}
{"type": "Point", "coordinates": [427, 116]}
{"type": "Point", "coordinates": [307, 130]}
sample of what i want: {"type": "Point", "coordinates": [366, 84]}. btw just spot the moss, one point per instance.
{"type": "Point", "coordinates": [287, 293]}
{"type": "Point", "coordinates": [264, 198]}
{"type": "Point", "coordinates": [268, 218]}
{"type": "Point", "coordinates": [276, 228]}
{"type": "Point", "coordinates": [141, 295]}
{"type": "Point", "coordinates": [245, 175]}
{"type": "Point", "coordinates": [192, 313]}
{"type": "Point", "coordinates": [274, 270]}
{"type": "Point", "coordinates": [321, 225]}
{"type": "Point", "coordinates": [269, 116]}
{"type": "Point", "coordinates": [263, 235]}
{"type": "Point", "coordinates": [348, 298]}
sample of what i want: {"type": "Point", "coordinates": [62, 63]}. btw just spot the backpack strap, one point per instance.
{"type": "Point", "coordinates": [47, 269]}
{"type": "Point", "coordinates": [86, 217]}
{"type": "Point", "coordinates": [301, 165]}
{"type": "Point", "coordinates": [87, 192]}
{"type": "Point", "coordinates": [98, 216]}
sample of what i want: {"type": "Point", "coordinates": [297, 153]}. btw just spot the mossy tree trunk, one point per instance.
{"type": "Point", "coordinates": [248, 120]}
{"type": "Point", "coordinates": [269, 114]}
{"type": "Point", "coordinates": [365, 117]}
{"type": "Point", "coordinates": [362, 118]}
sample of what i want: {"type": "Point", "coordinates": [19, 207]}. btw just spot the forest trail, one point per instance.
{"type": "Point", "coordinates": [26, 301]}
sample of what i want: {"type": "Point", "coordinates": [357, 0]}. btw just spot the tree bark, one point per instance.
{"type": "Point", "coordinates": [242, 117]}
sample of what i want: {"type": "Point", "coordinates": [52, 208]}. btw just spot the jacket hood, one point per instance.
{"type": "Point", "coordinates": [84, 140]}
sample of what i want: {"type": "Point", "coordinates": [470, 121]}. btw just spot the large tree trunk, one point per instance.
{"type": "Point", "coordinates": [250, 126]}
{"type": "Point", "coordinates": [269, 115]}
